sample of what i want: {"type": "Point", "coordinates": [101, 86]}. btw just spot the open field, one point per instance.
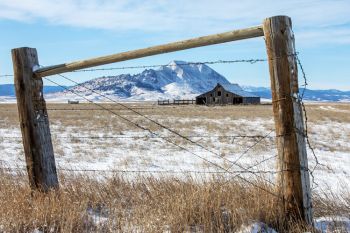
{"type": "Point", "coordinates": [86, 137]}
{"type": "Point", "coordinates": [161, 186]}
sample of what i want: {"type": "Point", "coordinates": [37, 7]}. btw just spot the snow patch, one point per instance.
{"type": "Point", "coordinates": [332, 224]}
{"type": "Point", "coordinates": [256, 227]}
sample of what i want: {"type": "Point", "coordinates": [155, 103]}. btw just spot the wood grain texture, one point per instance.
{"type": "Point", "coordinates": [160, 49]}
{"type": "Point", "coordinates": [34, 121]}
{"type": "Point", "coordinates": [294, 181]}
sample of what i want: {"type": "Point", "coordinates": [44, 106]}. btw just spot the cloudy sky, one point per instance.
{"type": "Point", "coordinates": [68, 30]}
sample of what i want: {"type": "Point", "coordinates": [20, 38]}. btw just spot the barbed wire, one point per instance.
{"type": "Point", "coordinates": [95, 109]}
{"type": "Point", "coordinates": [251, 61]}
{"type": "Point", "coordinates": [304, 76]}
{"type": "Point", "coordinates": [248, 60]}
{"type": "Point", "coordinates": [251, 147]}
{"type": "Point", "coordinates": [6, 75]}
{"type": "Point", "coordinates": [146, 171]}
{"type": "Point", "coordinates": [151, 137]}
{"type": "Point", "coordinates": [306, 127]}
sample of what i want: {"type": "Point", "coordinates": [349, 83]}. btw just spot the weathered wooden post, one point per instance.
{"type": "Point", "coordinates": [34, 121]}
{"type": "Point", "coordinates": [293, 181]}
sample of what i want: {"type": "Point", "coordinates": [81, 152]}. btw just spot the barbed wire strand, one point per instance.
{"type": "Point", "coordinates": [151, 137]}
{"type": "Point", "coordinates": [251, 61]}
{"type": "Point", "coordinates": [306, 127]}
{"type": "Point", "coordinates": [144, 171]}
{"type": "Point", "coordinates": [6, 75]}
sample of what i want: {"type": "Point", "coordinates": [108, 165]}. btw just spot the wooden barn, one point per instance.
{"type": "Point", "coordinates": [223, 94]}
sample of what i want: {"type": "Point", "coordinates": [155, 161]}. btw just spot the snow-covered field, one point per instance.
{"type": "Point", "coordinates": [86, 138]}
{"type": "Point", "coordinates": [237, 138]}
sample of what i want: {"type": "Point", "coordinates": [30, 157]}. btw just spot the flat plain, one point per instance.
{"type": "Point", "coordinates": [127, 137]}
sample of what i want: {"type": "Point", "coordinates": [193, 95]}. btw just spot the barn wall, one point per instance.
{"type": "Point", "coordinates": [251, 100]}
{"type": "Point", "coordinates": [213, 97]}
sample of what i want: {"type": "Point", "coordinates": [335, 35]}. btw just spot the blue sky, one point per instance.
{"type": "Point", "coordinates": [68, 30]}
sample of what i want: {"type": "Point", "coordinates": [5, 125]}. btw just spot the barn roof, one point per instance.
{"type": "Point", "coordinates": [234, 88]}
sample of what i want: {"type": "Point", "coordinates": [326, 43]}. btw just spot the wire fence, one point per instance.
{"type": "Point", "coordinates": [150, 137]}
{"type": "Point", "coordinates": [251, 61]}
{"type": "Point", "coordinates": [155, 126]}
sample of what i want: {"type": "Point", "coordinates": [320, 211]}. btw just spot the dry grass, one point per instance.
{"type": "Point", "coordinates": [336, 111]}
{"type": "Point", "coordinates": [145, 204]}
{"type": "Point", "coordinates": [172, 116]}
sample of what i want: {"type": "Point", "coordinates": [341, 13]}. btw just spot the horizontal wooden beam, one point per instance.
{"type": "Point", "coordinates": [166, 48]}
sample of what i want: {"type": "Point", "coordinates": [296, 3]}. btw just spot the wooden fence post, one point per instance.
{"type": "Point", "coordinates": [34, 121]}
{"type": "Point", "coordinates": [293, 180]}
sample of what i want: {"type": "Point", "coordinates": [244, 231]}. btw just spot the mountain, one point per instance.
{"type": "Point", "coordinates": [7, 90]}
{"type": "Point", "coordinates": [177, 80]}
{"type": "Point", "coordinates": [330, 95]}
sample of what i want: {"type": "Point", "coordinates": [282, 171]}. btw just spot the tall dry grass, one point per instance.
{"type": "Point", "coordinates": [142, 204]}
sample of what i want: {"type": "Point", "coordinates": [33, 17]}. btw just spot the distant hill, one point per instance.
{"type": "Point", "coordinates": [177, 80]}
{"type": "Point", "coordinates": [9, 90]}
{"type": "Point", "coordinates": [331, 95]}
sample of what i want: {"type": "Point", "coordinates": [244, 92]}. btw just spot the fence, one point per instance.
{"type": "Point", "coordinates": [293, 186]}
{"type": "Point", "coordinates": [176, 102]}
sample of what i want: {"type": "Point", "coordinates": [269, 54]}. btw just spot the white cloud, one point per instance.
{"type": "Point", "coordinates": [312, 19]}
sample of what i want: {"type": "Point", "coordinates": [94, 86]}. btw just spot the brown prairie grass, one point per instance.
{"type": "Point", "coordinates": [67, 116]}
{"type": "Point", "coordinates": [144, 204]}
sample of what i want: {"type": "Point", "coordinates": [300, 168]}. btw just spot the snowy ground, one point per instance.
{"type": "Point", "coordinates": [98, 140]}
{"type": "Point", "coordinates": [86, 138]}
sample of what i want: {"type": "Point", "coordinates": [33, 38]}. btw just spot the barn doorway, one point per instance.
{"type": "Point", "coordinates": [237, 100]}
{"type": "Point", "coordinates": [201, 100]}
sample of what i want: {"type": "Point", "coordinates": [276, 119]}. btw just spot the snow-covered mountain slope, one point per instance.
{"type": "Point", "coordinates": [177, 80]}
